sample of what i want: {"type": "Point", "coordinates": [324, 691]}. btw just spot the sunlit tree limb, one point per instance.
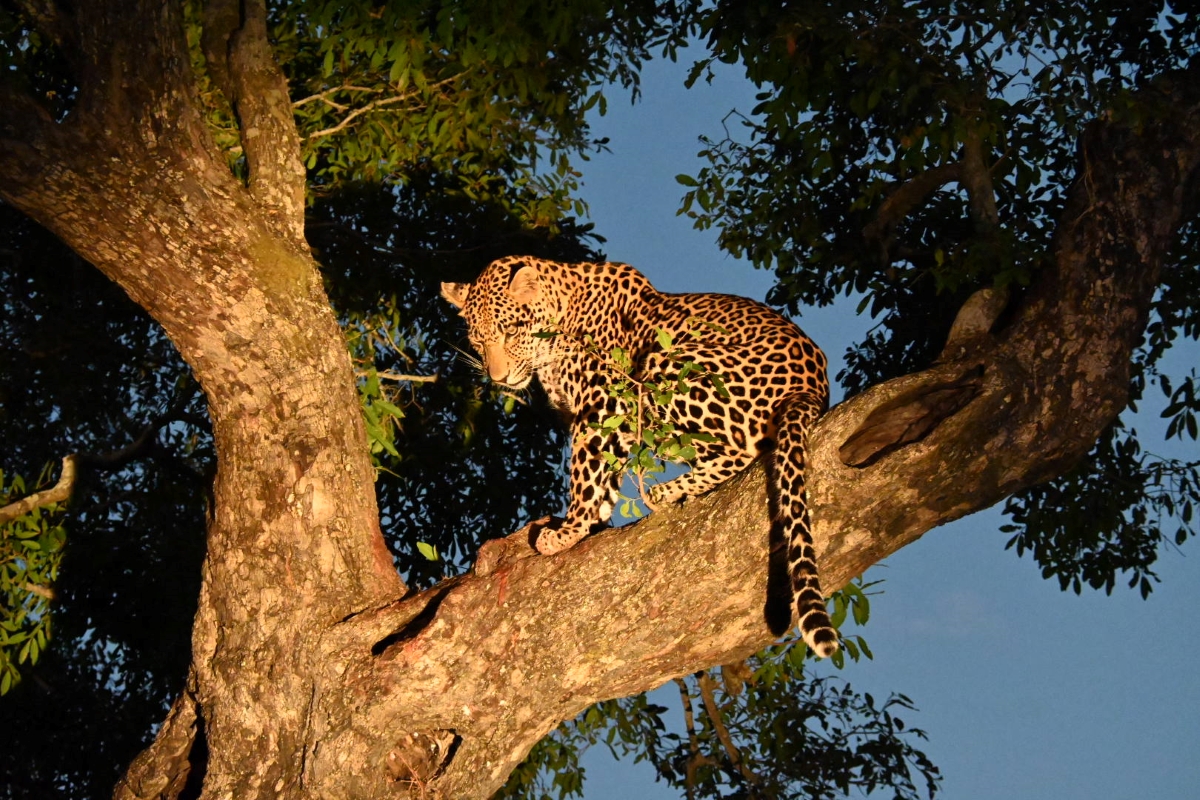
{"type": "Point", "coordinates": [58, 493]}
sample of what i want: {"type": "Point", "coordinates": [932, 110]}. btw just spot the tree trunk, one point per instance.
{"type": "Point", "coordinates": [312, 674]}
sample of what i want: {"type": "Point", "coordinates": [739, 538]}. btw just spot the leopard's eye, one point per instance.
{"type": "Point", "coordinates": [514, 328]}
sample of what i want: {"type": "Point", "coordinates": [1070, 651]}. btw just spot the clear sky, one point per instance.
{"type": "Point", "coordinates": [1025, 691]}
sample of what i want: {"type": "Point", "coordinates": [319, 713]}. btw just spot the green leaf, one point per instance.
{"type": "Point", "coordinates": [428, 551]}
{"type": "Point", "coordinates": [389, 408]}
{"type": "Point", "coordinates": [615, 421]}
{"type": "Point", "coordinates": [719, 385]}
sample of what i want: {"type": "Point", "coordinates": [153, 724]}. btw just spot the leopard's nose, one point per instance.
{"type": "Point", "coordinates": [498, 366]}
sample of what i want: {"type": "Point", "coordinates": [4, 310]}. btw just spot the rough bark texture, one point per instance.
{"type": "Point", "coordinates": [313, 675]}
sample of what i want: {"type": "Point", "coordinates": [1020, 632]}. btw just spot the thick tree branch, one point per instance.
{"type": "Point", "coordinates": [903, 200]}
{"type": "Point", "coordinates": [161, 771]}
{"type": "Point", "coordinates": [977, 180]}
{"type": "Point", "coordinates": [243, 64]}
{"type": "Point", "coordinates": [972, 173]}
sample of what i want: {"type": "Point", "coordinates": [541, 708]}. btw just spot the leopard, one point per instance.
{"type": "Point", "coordinates": [528, 317]}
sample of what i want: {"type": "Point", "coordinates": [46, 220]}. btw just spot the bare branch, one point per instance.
{"type": "Point", "coordinates": [695, 760]}
{"type": "Point", "coordinates": [977, 180]}
{"type": "Point", "coordinates": [358, 112]}
{"type": "Point", "coordinates": [972, 173]}
{"type": "Point", "coordinates": [325, 95]}
{"type": "Point", "coordinates": [395, 376]}
{"type": "Point", "coordinates": [58, 493]}
{"type": "Point", "coordinates": [714, 715]}
{"type": "Point", "coordinates": [377, 104]}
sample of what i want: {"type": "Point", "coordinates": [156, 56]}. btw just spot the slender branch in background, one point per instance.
{"type": "Point", "coordinates": [977, 180]}
{"type": "Point", "coordinates": [707, 684]}
{"type": "Point", "coordinates": [689, 720]}
{"type": "Point", "coordinates": [61, 491]}
{"type": "Point", "coordinates": [58, 493]}
{"type": "Point", "coordinates": [384, 101]}
{"type": "Point", "coordinates": [123, 455]}
{"type": "Point", "coordinates": [395, 376]}
{"type": "Point", "coordinates": [325, 95]}
{"type": "Point", "coordinates": [358, 112]}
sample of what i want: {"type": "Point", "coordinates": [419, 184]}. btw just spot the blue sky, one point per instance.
{"type": "Point", "coordinates": [1025, 691]}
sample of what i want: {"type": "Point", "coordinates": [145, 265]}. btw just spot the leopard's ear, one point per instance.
{"type": "Point", "coordinates": [524, 286]}
{"type": "Point", "coordinates": [456, 293]}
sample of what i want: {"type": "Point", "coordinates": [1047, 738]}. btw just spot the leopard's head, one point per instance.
{"type": "Point", "coordinates": [500, 308]}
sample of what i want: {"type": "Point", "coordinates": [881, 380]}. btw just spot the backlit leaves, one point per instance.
{"type": "Point", "coordinates": [31, 550]}
{"type": "Point", "coordinates": [491, 95]}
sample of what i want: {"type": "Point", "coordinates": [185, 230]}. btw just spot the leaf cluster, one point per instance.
{"type": "Point", "coordinates": [1112, 514]}
{"type": "Point", "coordinates": [911, 152]}
{"type": "Point", "coordinates": [31, 550]}
{"type": "Point", "coordinates": [644, 420]}
{"type": "Point", "coordinates": [494, 96]}
{"type": "Point", "coordinates": [754, 730]}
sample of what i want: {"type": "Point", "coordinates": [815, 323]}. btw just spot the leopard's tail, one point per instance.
{"type": "Point", "coordinates": [790, 520]}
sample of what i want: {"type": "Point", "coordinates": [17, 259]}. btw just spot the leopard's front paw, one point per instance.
{"type": "Point", "coordinates": [663, 494]}
{"type": "Point", "coordinates": [552, 536]}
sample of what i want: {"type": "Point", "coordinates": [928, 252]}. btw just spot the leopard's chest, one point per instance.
{"type": "Point", "coordinates": [553, 379]}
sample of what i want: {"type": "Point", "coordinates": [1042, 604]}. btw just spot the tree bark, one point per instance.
{"type": "Point", "coordinates": [313, 675]}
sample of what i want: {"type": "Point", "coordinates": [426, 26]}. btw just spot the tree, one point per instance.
{"type": "Point", "coordinates": [175, 166]}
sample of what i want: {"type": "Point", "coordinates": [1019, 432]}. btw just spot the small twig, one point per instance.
{"type": "Point", "coordinates": [353, 115]}
{"type": "Point", "coordinates": [40, 591]}
{"type": "Point", "coordinates": [58, 493]}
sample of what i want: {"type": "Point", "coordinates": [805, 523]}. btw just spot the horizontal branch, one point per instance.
{"type": "Point", "coordinates": [395, 376]}
{"type": "Point", "coordinates": [908, 196]}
